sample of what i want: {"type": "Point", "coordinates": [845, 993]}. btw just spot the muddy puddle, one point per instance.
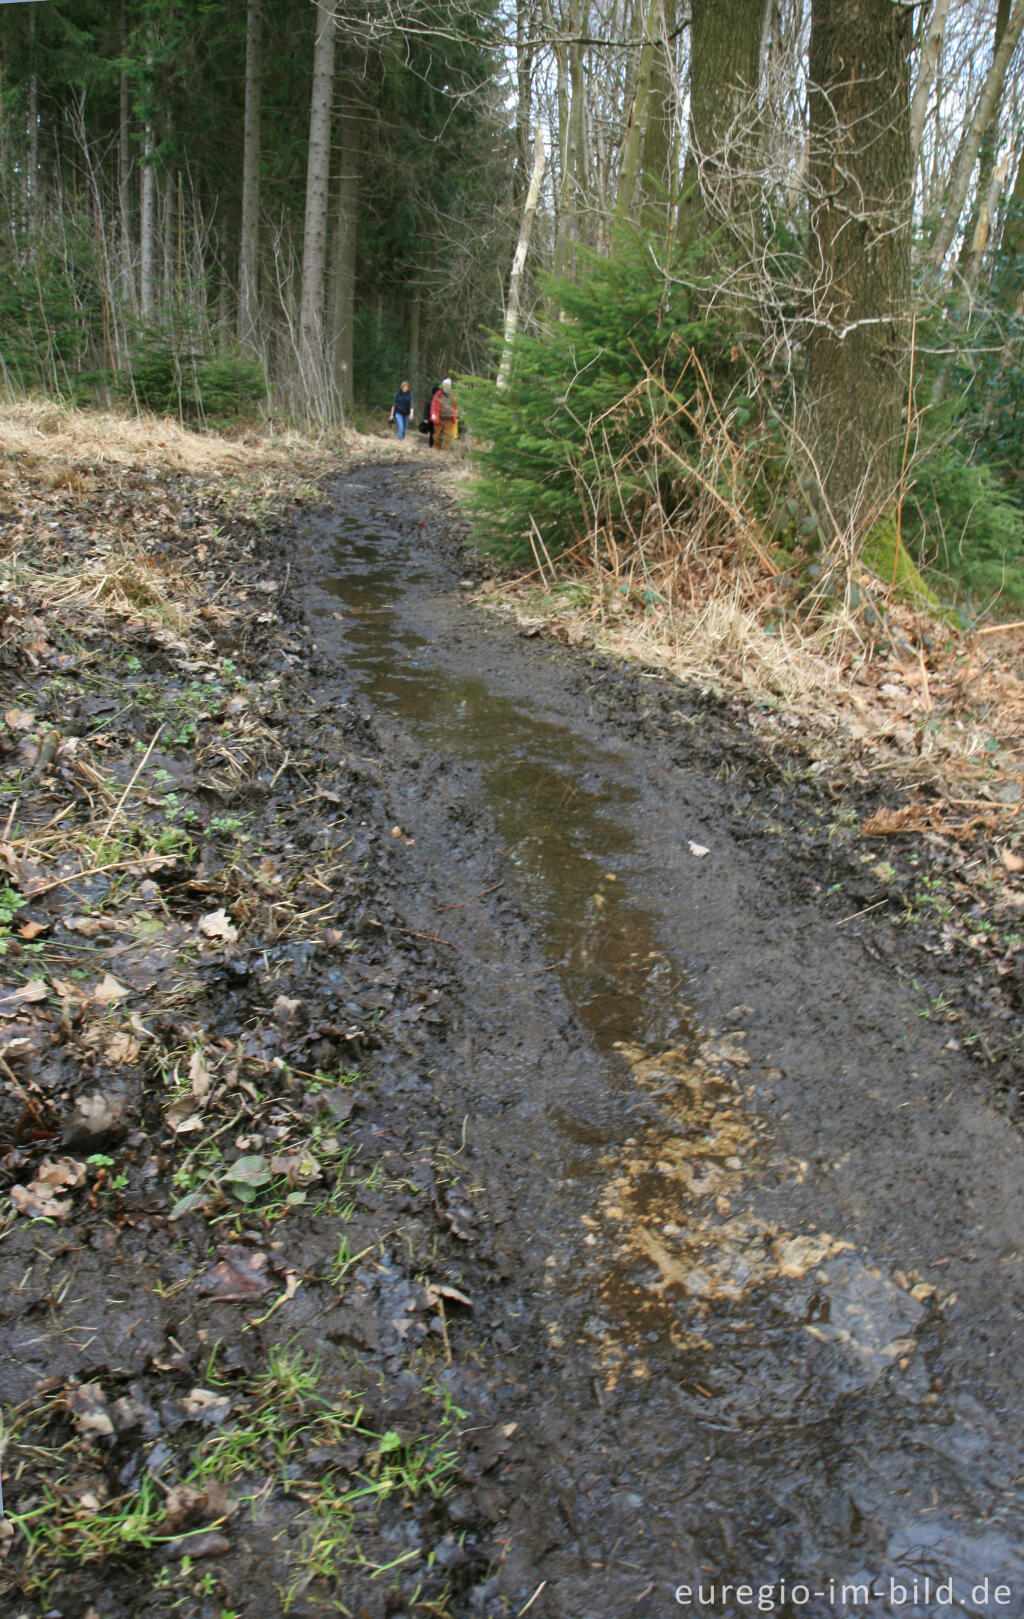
{"type": "Point", "coordinates": [735, 1405]}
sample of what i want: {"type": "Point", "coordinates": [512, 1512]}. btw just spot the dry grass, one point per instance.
{"type": "Point", "coordinates": [931, 708]}
{"type": "Point", "coordinates": [57, 439]}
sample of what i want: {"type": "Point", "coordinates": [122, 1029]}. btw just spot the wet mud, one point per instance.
{"type": "Point", "coordinates": [760, 1230]}
{"type": "Point", "coordinates": [640, 1181]}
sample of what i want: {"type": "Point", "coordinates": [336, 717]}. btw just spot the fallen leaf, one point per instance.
{"type": "Point", "coordinates": [208, 1544]}
{"type": "Point", "coordinates": [1011, 861]}
{"type": "Point", "coordinates": [182, 1118]}
{"type": "Point", "coordinates": [108, 990]}
{"type": "Point", "coordinates": [200, 1078]}
{"type": "Point", "coordinates": [37, 989]}
{"type": "Point", "coordinates": [25, 874]}
{"type": "Point", "coordinates": [37, 1200]}
{"type": "Point", "coordinates": [31, 930]}
{"type": "Point", "coordinates": [97, 1114]}
{"type": "Point", "coordinates": [88, 926]}
{"type": "Point", "coordinates": [68, 991]}
{"type": "Point", "coordinates": [21, 1046]}
{"type": "Point", "coordinates": [19, 719]}
{"type": "Point", "coordinates": [442, 1290]}
{"type": "Point", "coordinates": [249, 1173]}
{"type": "Point", "coordinates": [218, 925]}
{"type": "Point", "coordinates": [301, 1168]}
{"type": "Point", "coordinates": [121, 1047]}
{"type": "Point", "coordinates": [235, 1278]}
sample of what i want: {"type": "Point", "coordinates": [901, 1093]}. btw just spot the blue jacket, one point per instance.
{"type": "Point", "coordinates": [403, 403]}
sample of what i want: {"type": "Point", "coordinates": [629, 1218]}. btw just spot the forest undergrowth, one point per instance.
{"type": "Point", "coordinates": [210, 1006]}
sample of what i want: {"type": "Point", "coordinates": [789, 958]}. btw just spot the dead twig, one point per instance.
{"type": "Point", "coordinates": [118, 807]}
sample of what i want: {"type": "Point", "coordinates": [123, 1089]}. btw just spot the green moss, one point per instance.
{"type": "Point", "coordinates": [887, 556]}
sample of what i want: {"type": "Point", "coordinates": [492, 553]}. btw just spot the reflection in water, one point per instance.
{"type": "Point", "coordinates": [771, 1336]}
{"type": "Point", "coordinates": [564, 835]}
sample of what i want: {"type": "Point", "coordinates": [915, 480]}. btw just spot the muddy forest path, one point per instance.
{"type": "Point", "coordinates": [743, 1233]}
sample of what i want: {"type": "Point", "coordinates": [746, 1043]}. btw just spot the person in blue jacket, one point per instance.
{"type": "Point", "coordinates": [402, 409]}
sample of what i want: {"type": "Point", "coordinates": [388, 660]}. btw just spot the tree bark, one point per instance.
{"type": "Point", "coordinates": [147, 227]}
{"type": "Point", "coordinates": [931, 53]}
{"type": "Point", "coordinates": [973, 136]}
{"type": "Point", "coordinates": [314, 242]}
{"type": "Point", "coordinates": [860, 181]}
{"type": "Point", "coordinates": [636, 122]}
{"type": "Point", "coordinates": [249, 231]}
{"type": "Point", "coordinates": [987, 154]}
{"type": "Point", "coordinates": [343, 257]}
{"type": "Point", "coordinates": [124, 169]}
{"type": "Point", "coordinates": [519, 260]}
{"type": "Point", "coordinates": [1010, 283]}
{"type": "Point", "coordinates": [572, 181]}
{"type": "Point", "coordinates": [725, 70]}
{"type": "Point", "coordinates": [32, 127]}
{"type": "Point", "coordinates": [660, 147]}
{"type": "Point", "coordinates": [525, 16]}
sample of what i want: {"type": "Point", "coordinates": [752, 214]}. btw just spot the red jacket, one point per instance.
{"type": "Point", "coordinates": [435, 408]}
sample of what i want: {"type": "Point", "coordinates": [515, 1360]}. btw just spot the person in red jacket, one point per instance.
{"type": "Point", "coordinates": [444, 413]}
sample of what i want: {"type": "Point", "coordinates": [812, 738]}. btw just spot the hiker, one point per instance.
{"type": "Point", "coordinates": [426, 425]}
{"type": "Point", "coordinates": [444, 413]}
{"type": "Point", "coordinates": [402, 409]}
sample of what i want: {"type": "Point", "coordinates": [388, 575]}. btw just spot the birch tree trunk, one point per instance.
{"type": "Point", "coordinates": [312, 373]}
{"type": "Point", "coordinates": [931, 54]}
{"type": "Point", "coordinates": [973, 136]}
{"type": "Point", "coordinates": [515, 281]}
{"type": "Point", "coordinates": [249, 233]}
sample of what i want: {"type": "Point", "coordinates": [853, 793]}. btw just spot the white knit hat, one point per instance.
{"type": "Point", "coordinates": [447, 382]}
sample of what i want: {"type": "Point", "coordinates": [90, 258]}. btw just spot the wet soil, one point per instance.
{"type": "Point", "coordinates": [658, 1174]}
{"type": "Point", "coordinates": [763, 1222]}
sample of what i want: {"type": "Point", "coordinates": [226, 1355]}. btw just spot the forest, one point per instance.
{"type": "Point", "coordinates": [511, 948]}
{"type": "Point", "coordinates": [751, 262]}
{"type": "Point", "coordinates": [765, 254]}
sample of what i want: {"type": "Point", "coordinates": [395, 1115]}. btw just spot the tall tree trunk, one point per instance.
{"type": "Point", "coordinates": [415, 313]}
{"type": "Point", "coordinates": [249, 231]}
{"type": "Point", "coordinates": [525, 17]}
{"type": "Point", "coordinates": [987, 155]}
{"type": "Point", "coordinates": [343, 256]}
{"type": "Point", "coordinates": [32, 127]}
{"type": "Point", "coordinates": [860, 184]}
{"type": "Point", "coordinates": [572, 111]}
{"type": "Point", "coordinates": [1010, 282]}
{"type": "Point", "coordinates": [147, 227]}
{"type": "Point", "coordinates": [519, 260]}
{"type": "Point", "coordinates": [659, 157]}
{"type": "Point", "coordinates": [314, 242]}
{"type": "Point", "coordinates": [973, 136]}
{"type": "Point", "coordinates": [725, 71]}
{"type": "Point", "coordinates": [636, 122]}
{"type": "Point", "coordinates": [931, 55]}
{"type": "Point", "coordinates": [124, 171]}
